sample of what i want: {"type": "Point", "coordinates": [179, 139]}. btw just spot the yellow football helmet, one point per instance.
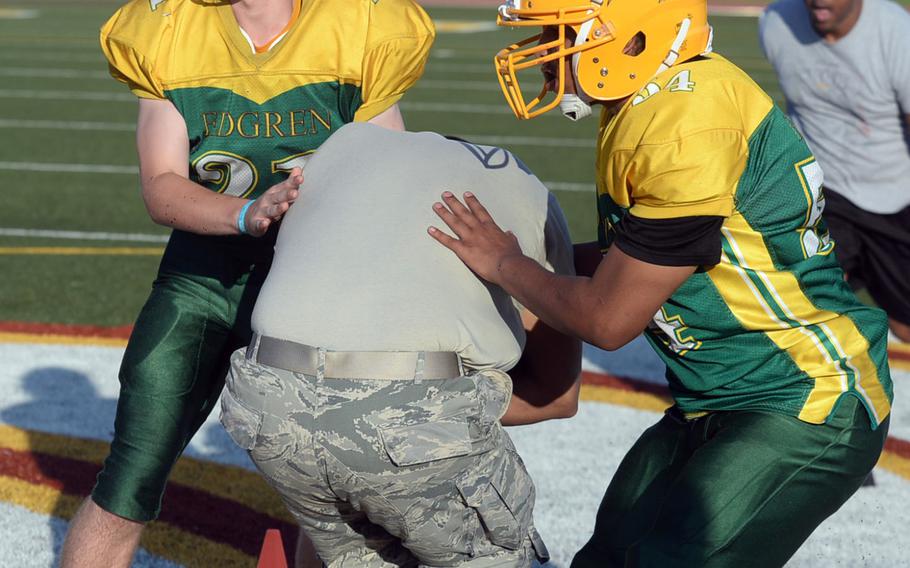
{"type": "Point", "coordinates": [595, 33]}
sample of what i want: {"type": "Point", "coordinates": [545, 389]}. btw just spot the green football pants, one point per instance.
{"type": "Point", "coordinates": [739, 489]}
{"type": "Point", "coordinates": [173, 369]}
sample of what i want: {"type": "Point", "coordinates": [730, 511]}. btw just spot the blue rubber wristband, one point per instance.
{"type": "Point", "coordinates": [240, 218]}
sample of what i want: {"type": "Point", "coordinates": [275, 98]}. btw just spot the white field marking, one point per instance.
{"type": "Point", "coordinates": [17, 14]}
{"type": "Point", "coordinates": [31, 72]}
{"type": "Point", "coordinates": [103, 96]}
{"type": "Point", "coordinates": [732, 11]}
{"type": "Point", "coordinates": [569, 186]}
{"type": "Point", "coordinates": [48, 43]}
{"type": "Point", "coordinates": [82, 235]}
{"type": "Point", "coordinates": [457, 85]}
{"type": "Point", "coordinates": [455, 107]}
{"type": "Point", "coordinates": [14, 123]}
{"type": "Point", "coordinates": [68, 168]}
{"type": "Point", "coordinates": [527, 141]}
{"type": "Point", "coordinates": [466, 108]}
{"type": "Point", "coordinates": [109, 169]}
{"type": "Point", "coordinates": [462, 68]}
{"type": "Point", "coordinates": [55, 57]}
{"type": "Point", "coordinates": [533, 141]}
{"type": "Point", "coordinates": [464, 26]}
{"type": "Point", "coordinates": [736, 11]}
{"type": "Point", "coordinates": [115, 97]}
{"type": "Point", "coordinates": [443, 53]}
{"type": "Point", "coordinates": [76, 74]}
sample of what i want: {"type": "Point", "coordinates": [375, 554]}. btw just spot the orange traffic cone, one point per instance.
{"type": "Point", "coordinates": [272, 553]}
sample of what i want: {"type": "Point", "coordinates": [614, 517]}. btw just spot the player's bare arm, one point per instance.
{"type": "Point", "coordinates": [546, 381]}
{"type": "Point", "coordinates": [587, 258]}
{"type": "Point", "coordinates": [175, 201]}
{"type": "Point", "coordinates": [607, 310]}
{"type": "Point", "coordinates": [389, 118]}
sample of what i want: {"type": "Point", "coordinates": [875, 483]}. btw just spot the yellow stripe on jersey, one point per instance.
{"type": "Point", "coordinates": [828, 347]}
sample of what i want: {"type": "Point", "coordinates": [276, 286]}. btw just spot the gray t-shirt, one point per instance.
{"type": "Point", "coordinates": [355, 269]}
{"type": "Point", "coordinates": [849, 98]}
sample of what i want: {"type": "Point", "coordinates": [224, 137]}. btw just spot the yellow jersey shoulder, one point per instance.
{"type": "Point", "coordinates": [398, 19]}
{"type": "Point", "coordinates": [145, 24]}
{"type": "Point", "coordinates": [679, 146]}
{"type": "Point", "coordinates": [707, 93]}
{"type": "Point", "coordinates": [134, 41]}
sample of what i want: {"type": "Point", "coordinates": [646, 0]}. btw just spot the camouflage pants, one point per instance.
{"type": "Point", "coordinates": [383, 473]}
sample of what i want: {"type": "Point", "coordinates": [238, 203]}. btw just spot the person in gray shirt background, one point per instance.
{"type": "Point", "coordinates": [844, 68]}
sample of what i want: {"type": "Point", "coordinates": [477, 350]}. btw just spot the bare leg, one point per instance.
{"type": "Point", "coordinates": [98, 538]}
{"type": "Point", "coordinates": [305, 556]}
{"type": "Point", "coordinates": [900, 330]}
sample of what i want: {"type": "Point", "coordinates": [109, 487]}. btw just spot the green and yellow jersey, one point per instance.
{"type": "Point", "coordinates": [772, 325]}
{"type": "Point", "coordinates": [251, 117]}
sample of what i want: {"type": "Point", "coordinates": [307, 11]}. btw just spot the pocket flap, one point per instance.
{"type": "Point", "coordinates": [500, 524]}
{"type": "Point", "coordinates": [241, 423]}
{"type": "Point", "coordinates": [426, 442]}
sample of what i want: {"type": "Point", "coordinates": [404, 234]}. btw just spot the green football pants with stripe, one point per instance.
{"type": "Point", "coordinates": [741, 489]}
{"type": "Point", "coordinates": [174, 366]}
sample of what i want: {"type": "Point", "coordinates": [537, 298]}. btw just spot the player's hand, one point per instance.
{"type": "Point", "coordinates": [271, 206]}
{"type": "Point", "coordinates": [481, 244]}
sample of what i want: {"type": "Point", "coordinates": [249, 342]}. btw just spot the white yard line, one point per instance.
{"type": "Point", "coordinates": [736, 11]}
{"type": "Point", "coordinates": [47, 167]}
{"type": "Point", "coordinates": [14, 123]}
{"type": "Point", "coordinates": [82, 235]}
{"type": "Point", "coordinates": [56, 95]}
{"type": "Point", "coordinates": [52, 73]}
{"type": "Point", "coordinates": [80, 74]}
{"type": "Point", "coordinates": [527, 141]}
{"type": "Point", "coordinates": [532, 141]}
{"type": "Point", "coordinates": [68, 168]}
{"type": "Point", "coordinates": [18, 14]}
{"type": "Point", "coordinates": [569, 186]}
{"type": "Point", "coordinates": [123, 97]}
{"type": "Point", "coordinates": [54, 57]}
{"type": "Point", "coordinates": [456, 107]}
{"type": "Point", "coordinates": [462, 68]}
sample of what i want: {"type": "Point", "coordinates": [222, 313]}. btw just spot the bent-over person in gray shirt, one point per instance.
{"type": "Point", "coordinates": [844, 68]}
{"type": "Point", "coordinates": [381, 370]}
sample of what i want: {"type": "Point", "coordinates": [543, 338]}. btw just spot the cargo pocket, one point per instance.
{"type": "Point", "coordinates": [504, 501]}
{"type": "Point", "coordinates": [494, 387]}
{"type": "Point", "coordinates": [426, 442]}
{"type": "Point", "coordinates": [241, 423]}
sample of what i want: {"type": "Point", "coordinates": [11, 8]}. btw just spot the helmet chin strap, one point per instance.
{"type": "Point", "coordinates": [577, 106]}
{"type": "Point", "coordinates": [673, 55]}
{"type": "Point", "coordinates": [574, 107]}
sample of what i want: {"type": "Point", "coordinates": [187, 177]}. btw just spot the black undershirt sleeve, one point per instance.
{"type": "Point", "coordinates": [683, 241]}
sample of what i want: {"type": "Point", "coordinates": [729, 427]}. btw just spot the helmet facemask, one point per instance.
{"type": "Point", "coordinates": [528, 54]}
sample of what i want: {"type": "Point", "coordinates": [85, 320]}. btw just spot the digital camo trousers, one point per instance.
{"type": "Point", "coordinates": [386, 473]}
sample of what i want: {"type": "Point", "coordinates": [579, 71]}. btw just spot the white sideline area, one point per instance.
{"type": "Point", "coordinates": [71, 390]}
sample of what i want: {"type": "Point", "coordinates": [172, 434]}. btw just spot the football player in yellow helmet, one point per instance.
{"type": "Point", "coordinates": [712, 244]}
{"type": "Point", "coordinates": [610, 50]}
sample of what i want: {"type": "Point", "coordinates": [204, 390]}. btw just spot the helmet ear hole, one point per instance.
{"type": "Point", "coordinates": [636, 45]}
